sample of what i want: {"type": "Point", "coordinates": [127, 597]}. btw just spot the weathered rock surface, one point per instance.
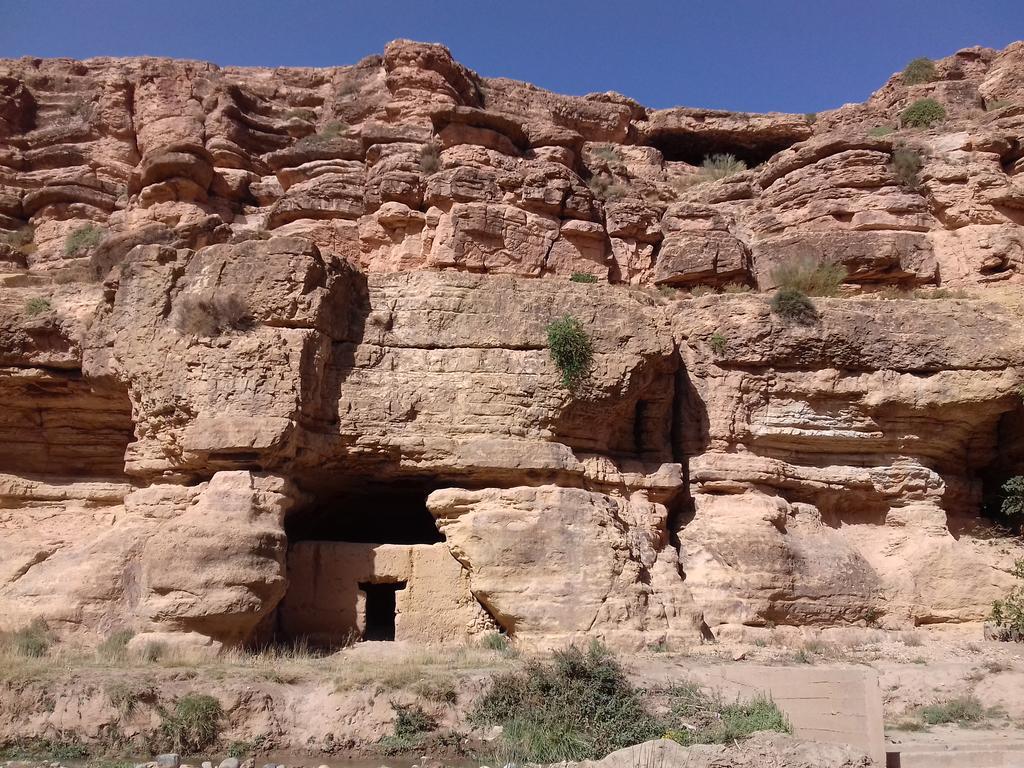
{"type": "Point", "coordinates": [275, 338]}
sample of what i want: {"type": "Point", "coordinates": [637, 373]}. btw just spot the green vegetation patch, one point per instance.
{"type": "Point", "coordinates": [578, 707]}
{"type": "Point", "coordinates": [920, 70]}
{"type": "Point", "coordinates": [194, 723]}
{"type": "Point", "coordinates": [82, 239]}
{"type": "Point", "coordinates": [710, 721]}
{"type": "Point", "coordinates": [572, 351]}
{"type": "Point", "coordinates": [923, 113]}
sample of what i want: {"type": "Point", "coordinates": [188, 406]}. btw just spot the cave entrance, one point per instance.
{"type": "Point", "coordinates": [380, 610]}
{"type": "Point", "coordinates": [361, 552]}
{"type": "Point", "coordinates": [692, 148]}
{"type": "Point", "coordinates": [395, 513]}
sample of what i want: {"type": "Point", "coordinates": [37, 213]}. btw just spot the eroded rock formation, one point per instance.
{"type": "Point", "coordinates": [275, 364]}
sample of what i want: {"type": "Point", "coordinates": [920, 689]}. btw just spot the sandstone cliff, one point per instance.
{"type": "Point", "coordinates": [274, 360]}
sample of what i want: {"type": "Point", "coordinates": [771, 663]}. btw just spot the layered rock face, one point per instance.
{"type": "Point", "coordinates": [275, 360]}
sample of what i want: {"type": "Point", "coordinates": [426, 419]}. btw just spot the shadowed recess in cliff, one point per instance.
{"type": "Point", "coordinates": [368, 513]}
{"type": "Point", "coordinates": [693, 147]}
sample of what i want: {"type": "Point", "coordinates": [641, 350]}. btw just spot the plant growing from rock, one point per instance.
{"type": "Point", "coordinates": [430, 159]}
{"type": "Point", "coordinates": [810, 276]}
{"type": "Point", "coordinates": [721, 166]}
{"type": "Point", "coordinates": [583, 277]}
{"type": "Point", "coordinates": [906, 164]}
{"type": "Point", "coordinates": [608, 154]}
{"type": "Point", "coordinates": [37, 305]}
{"type": "Point", "coordinates": [323, 137]}
{"type": "Point", "coordinates": [717, 343]}
{"type": "Point", "coordinates": [603, 188]}
{"type": "Point", "coordinates": [82, 239]}
{"type": "Point", "coordinates": [19, 239]}
{"type": "Point", "coordinates": [572, 351]}
{"type": "Point", "coordinates": [194, 723]}
{"type": "Point", "coordinates": [920, 70]}
{"type": "Point", "coordinates": [923, 113]}
{"type": "Point", "coordinates": [880, 130]}
{"type": "Point", "coordinates": [210, 313]}
{"type": "Point", "coordinates": [793, 305]}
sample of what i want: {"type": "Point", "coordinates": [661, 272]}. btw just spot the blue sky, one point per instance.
{"type": "Point", "coordinates": [755, 55]}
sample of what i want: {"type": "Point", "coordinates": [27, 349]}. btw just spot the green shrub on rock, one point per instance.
{"type": "Point", "coordinates": [810, 276]}
{"type": "Point", "coordinates": [923, 113]}
{"type": "Point", "coordinates": [920, 70]}
{"type": "Point", "coordinates": [793, 305]}
{"type": "Point", "coordinates": [571, 350]}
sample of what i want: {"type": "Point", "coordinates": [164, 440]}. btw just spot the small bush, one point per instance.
{"type": "Point", "coordinates": [37, 305]}
{"type": "Point", "coordinates": [126, 698]}
{"type": "Point", "coordinates": [495, 641]}
{"type": "Point", "coordinates": [430, 159]}
{"type": "Point", "coordinates": [33, 641]}
{"type": "Point", "coordinates": [906, 164]}
{"type": "Point", "coordinates": [735, 288]}
{"type": "Point", "coordinates": [810, 276]}
{"type": "Point", "coordinates": [209, 313]}
{"type": "Point", "coordinates": [440, 691]}
{"type": "Point", "coordinates": [19, 238]}
{"type": "Point", "coordinates": [1008, 613]}
{"type": "Point", "coordinates": [194, 724]}
{"type": "Point", "coordinates": [923, 113]}
{"type": "Point", "coordinates": [1012, 506]}
{"type": "Point", "coordinates": [712, 722]}
{"type": "Point", "coordinates": [717, 343]}
{"type": "Point", "coordinates": [608, 154]}
{"type": "Point", "coordinates": [921, 70]}
{"type": "Point", "coordinates": [603, 188]}
{"type": "Point", "coordinates": [578, 707]}
{"type": "Point", "coordinates": [721, 166]}
{"type": "Point", "coordinates": [881, 130]}
{"type": "Point", "coordinates": [324, 136]}
{"type": "Point", "coordinates": [154, 651]}
{"type": "Point", "coordinates": [792, 304]}
{"type": "Point", "coordinates": [811, 117]}
{"type": "Point", "coordinates": [412, 720]}
{"type": "Point", "coordinates": [115, 647]}
{"type": "Point", "coordinates": [961, 710]}
{"type": "Point", "coordinates": [583, 277]}
{"type": "Point", "coordinates": [82, 239]}
{"type": "Point", "coordinates": [701, 290]}
{"type": "Point", "coordinates": [301, 113]}
{"type": "Point", "coordinates": [571, 350]}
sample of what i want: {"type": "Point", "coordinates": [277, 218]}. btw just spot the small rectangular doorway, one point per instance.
{"type": "Point", "coordinates": [380, 610]}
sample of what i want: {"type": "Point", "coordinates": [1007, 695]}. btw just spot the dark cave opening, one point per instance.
{"type": "Point", "coordinates": [693, 148]}
{"type": "Point", "coordinates": [368, 513]}
{"type": "Point", "coordinates": [380, 610]}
